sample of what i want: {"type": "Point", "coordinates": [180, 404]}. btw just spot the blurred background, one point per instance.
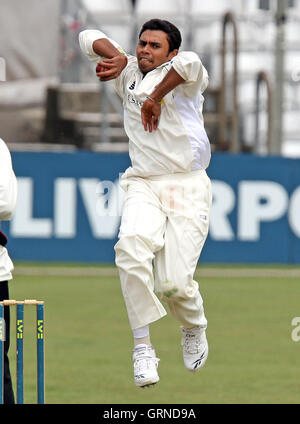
{"type": "Point", "coordinates": [51, 104]}
{"type": "Point", "coordinates": [65, 133]}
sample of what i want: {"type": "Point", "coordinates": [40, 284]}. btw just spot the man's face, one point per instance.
{"type": "Point", "coordinates": [153, 50]}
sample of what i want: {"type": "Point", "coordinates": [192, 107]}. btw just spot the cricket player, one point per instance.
{"type": "Point", "coordinates": [168, 193]}
{"type": "Point", "coordinates": [8, 198]}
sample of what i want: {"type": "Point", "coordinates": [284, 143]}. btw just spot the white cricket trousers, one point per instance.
{"type": "Point", "coordinates": [163, 229]}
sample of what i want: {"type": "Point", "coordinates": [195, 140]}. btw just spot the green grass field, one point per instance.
{"type": "Point", "coordinates": [252, 359]}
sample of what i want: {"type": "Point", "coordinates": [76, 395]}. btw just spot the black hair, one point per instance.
{"type": "Point", "coordinates": [173, 33]}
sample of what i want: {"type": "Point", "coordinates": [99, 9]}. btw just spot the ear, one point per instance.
{"type": "Point", "coordinates": [172, 54]}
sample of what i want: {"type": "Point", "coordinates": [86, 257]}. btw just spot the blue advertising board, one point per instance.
{"type": "Point", "coordinates": [69, 208]}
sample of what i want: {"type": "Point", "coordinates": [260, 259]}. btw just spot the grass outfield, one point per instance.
{"type": "Point", "coordinates": [252, 359]}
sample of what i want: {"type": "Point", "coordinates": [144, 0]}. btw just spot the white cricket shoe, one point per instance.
{"type": "Point", "coordinates": [195, 347]}
{"type": "Point", "coordinates": [145, 365]}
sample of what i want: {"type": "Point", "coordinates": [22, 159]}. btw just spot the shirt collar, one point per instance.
{"type": "Point", "coordinates": [158, 67]}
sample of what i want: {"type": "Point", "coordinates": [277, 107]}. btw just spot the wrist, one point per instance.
{"type": "Point", "coordinates": [124, 57]}
{"type": "Point", "coordinates": [153, 99]}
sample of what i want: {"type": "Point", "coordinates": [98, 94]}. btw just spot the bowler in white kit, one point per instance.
{"type": "Point", "coordinates": [167, 204]}
{"type": "Point", "coordinates": [8, 199]}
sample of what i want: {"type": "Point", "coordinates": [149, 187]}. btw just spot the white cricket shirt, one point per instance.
{"type": "Point", "coordinates": [180, 144]}
{"type": "Point", "coordinates": [8, 198]}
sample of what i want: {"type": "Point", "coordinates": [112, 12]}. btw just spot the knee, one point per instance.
{"type": "Point", "coordinates": [131, 250]}
{"type": "Point", "coordinates": [178, 290]}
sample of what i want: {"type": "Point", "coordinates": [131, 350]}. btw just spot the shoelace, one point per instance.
{"type": "Point", "coordinates": [145, 361]}
{"type": "Point", "coordinates": [191, 342]}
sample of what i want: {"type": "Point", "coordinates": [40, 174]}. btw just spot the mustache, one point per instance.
{"type": "Point", "coordinates": [145, 57]}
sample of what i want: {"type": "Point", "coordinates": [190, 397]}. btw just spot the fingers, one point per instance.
{"type": "Point", "coordinates": [146, 123]}
{"type": "Point", "coordinates": [150, 123]}
{"type": "Point", "coordinates": [109, 69]}
{"type": "Point", "coordinates": [99, 68]}
{"type": "Point", "coordinates": [150, 114]}
{"type": "Point", "coordinates": [106, 70]}
{"type": "Point", "coordinates": [155, 122]}
{"type": "Point", "coordinates": [107, 78]}
{"type": "Point", "coordinates": [108, 61]}
{"type": "Point", "coordinates": [106, 74]}
{"type": "Point", "coordinates": [107, 65]}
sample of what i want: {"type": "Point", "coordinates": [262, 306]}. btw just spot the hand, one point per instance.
{"type": "Point", "coordinates": [150, 114]}
{"type": "Point", "coordinates": [109, 69]}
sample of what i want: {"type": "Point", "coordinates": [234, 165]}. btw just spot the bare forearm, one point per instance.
{"type": "Point", "coordinates": [151, 109]}
{"type": "Point", "coordinates": [104, 48]}
{"type": "Point", "coordinates": [170, 81]}
{"type": "Point", "coordinates": [114, 62]}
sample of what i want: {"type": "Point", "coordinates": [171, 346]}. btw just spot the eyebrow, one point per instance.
{"type": "Point", "coordinates": [152, 43]}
